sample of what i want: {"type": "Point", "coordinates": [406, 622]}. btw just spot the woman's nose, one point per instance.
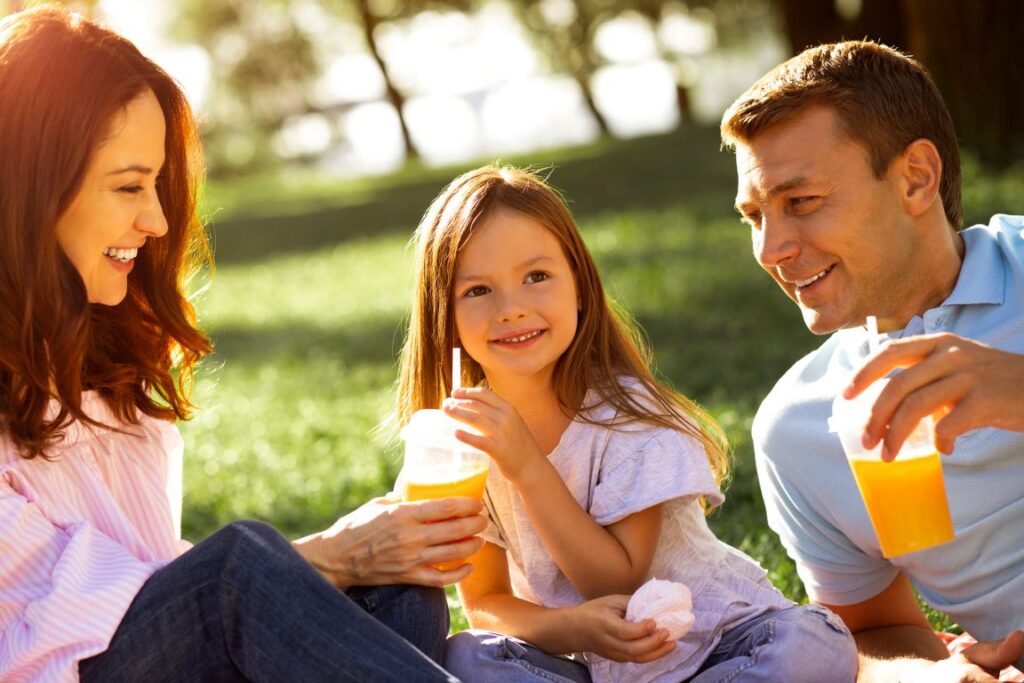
{"type": "Point", "coordinates": [152, 220]}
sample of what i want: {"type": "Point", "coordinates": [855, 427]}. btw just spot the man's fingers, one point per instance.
{"type": "Point", "coordinates": [900, 353]}
{"type": "Point", "coordinates": [996, 655]}
{"type": "Point", "coordinates": [928, 400]}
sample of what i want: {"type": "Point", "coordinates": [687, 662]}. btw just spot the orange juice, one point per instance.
{"type": "Point", "coordinates": [443, 481]}
{"type": "Point", "coordinates": [906, 501]}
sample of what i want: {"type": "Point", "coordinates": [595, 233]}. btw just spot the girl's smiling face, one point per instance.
{"type": "Point", "coordinates": [515, 299]}
{"type": "Point", "coordinates": [116, 209]}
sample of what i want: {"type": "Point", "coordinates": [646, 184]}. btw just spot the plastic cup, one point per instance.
{"type": "Point", "coordinates": [905, 498]}
{"type": "Point", "coordinates": [437, 465]}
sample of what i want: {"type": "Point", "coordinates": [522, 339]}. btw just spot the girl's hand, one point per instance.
{"type": "Point", "coordinates": [502, 433]}
{"type": "Point", "coordinates": [604, 631]}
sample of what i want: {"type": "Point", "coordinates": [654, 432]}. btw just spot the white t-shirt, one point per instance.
{"type": "Point", "coordinates": [613, 474]}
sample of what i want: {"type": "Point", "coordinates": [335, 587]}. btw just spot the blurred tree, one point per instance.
{"type": "Point", "coordinates": [652, 11]}
{"type": "Point", "coordinates": [262, 70]}
{"type": "Point", "coordinates": [86, 8]}
{"type": "Point", "coordinates": [265, 64]}
{"type": "Point", "coordinates": [371, 15]}
{"type": "Point", "coordinates": [563, 32]}
{"type": "Point", "coordinates": [971, 48]}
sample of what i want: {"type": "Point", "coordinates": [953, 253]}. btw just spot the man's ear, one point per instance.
{"type": "Point", "coordinates": [920, 170]}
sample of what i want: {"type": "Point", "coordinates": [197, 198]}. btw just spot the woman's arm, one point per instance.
{"type": "Point", "coordinates": [597, 626]}
{"type": "Point", "coordinates": [65, 587]}
{"type": "Point", "coordinates": [597, 560]}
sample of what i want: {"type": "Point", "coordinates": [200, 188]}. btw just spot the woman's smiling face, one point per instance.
{"type": "Point", "coordinates": [116, 208]}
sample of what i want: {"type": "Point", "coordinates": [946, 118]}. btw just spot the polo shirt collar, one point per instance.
{"type": "Point", "coordinates": [982, 277]}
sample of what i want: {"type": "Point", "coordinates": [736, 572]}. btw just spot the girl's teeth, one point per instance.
{"type": "Point", "coordinates": [522, 337]}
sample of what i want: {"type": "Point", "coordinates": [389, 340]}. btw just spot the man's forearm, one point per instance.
{"type": "Point", "coordinates": [894, 653]}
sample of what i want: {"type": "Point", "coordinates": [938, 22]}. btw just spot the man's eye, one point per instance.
{"type": "Point", "coordinates": [479, 290]}
{"type": "Point", "coordinates": [537, 276]}
{"type": "Point", "coordinates": [753, 219]}
{"type": "Point", "coordinates": [804, 203]}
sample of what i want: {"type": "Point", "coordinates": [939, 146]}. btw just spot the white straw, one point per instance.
{"type": "Point", "coordinates": [456, 368]}
{"type": "Point", "coordinates": [872, 324]}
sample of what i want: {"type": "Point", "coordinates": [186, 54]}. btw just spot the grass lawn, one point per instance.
{"type": "Point", "coordinates": [313, 282]}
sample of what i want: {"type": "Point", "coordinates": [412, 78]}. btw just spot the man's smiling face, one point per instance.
{"type": "Point", "coordinates": [834, 237]}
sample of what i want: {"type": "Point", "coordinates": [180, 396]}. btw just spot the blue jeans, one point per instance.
{"type": "Point", "coordinates": [243, 605]}
{"type": "Point", "coordinates": [797, 644]}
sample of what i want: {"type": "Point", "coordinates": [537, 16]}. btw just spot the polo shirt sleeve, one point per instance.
{"type": "Point", "coordinates": [833, 569]}
{"type": "Point", "coordinates": [643, 469]}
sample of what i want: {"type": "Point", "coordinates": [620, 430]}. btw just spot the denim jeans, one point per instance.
{"type": "Point", "coordinates": [243, 605]}
{"type": "Point", "coordinates": [799, 644]}
{"type": "Point", "coordinates": [794, 645]}
{"type": "Point", "coordinates": [485, 657]}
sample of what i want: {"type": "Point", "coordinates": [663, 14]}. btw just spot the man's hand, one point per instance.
{"type": "Point", "coordinates": [389, 542]}
{"type": "Point", "coordinates": [603, 629]}
{"type": "Point", "coordinates": [979, 663]}
{"type": "Point", "coordinates": [970, 385]}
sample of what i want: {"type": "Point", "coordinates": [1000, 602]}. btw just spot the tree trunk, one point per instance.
{"type": "Point", "coordinates": [973, 52]}
{"type": "Point", "coordinates": [395, 97]}
{"type": "Point", "coordinates": [810, 22]}
{"type": "Point", "coordinates": [588, 98]}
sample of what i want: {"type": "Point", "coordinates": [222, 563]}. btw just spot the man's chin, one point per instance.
{"type": "Point", "coordinates": [818, 323]}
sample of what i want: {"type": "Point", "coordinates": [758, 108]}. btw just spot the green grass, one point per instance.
{"type": "Point", "coordinates": [313, 281]}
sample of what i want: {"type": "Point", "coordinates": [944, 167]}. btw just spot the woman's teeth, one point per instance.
{"type": "Point", "coordinates": [122, 255]}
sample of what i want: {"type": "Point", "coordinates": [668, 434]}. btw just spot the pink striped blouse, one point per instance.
{"type": "Point", "coordinates": [79, 536]}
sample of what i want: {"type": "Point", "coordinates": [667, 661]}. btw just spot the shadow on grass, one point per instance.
{"type": "Point", "coordinates": [649, 173]}
{"type": "Point", "coordinates": [362, 344]}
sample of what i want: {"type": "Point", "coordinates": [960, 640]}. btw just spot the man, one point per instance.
{"type": "Point", "coordinates": [849, 177]}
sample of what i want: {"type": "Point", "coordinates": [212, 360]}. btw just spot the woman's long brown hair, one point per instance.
{"type": "Point", "coordinates": [608, 345]}
{"type": "Point", "coordinates": [63, 80]}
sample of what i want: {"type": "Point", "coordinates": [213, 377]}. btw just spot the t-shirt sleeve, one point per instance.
{"type": "Point", "coordinates": [642, 469]}
{"type": "Point", "coordinates": [833, 569]}
{"type": "Point", "coordinates": [63, 589]}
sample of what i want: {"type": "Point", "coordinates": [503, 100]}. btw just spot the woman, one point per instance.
{"type": "Point", "coordinates": [98, 178]}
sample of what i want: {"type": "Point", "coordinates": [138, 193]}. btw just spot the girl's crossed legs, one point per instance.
{"type": "Point", "coordinates": [806, 643]}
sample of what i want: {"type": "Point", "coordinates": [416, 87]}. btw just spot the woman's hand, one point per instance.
{"type": "Point", "coordinates": [603, 629]}
{"type": "Point", "coordinates": [388, 542]}
{"type": "Point", "coordinates": [502, 434]}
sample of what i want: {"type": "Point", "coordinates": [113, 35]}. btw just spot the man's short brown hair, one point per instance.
{"type": "Point", "coordinates": [884, 101]}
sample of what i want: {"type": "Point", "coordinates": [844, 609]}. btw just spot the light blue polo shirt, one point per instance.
{"type": "Point", "coordinates": [812, 499]}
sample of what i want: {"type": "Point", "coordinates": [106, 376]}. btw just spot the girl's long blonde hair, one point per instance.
{"type": "Point", "coordinates": [608, 345]}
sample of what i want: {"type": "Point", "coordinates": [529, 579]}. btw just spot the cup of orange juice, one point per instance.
{"type": "Point", "coordinates": [437, 465]}
{"type": "Point", "coordinates": [905, 498]}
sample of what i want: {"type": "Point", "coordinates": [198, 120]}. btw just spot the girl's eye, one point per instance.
{"type": "Point", "coordinates": [131, 189]}
{"type": "Point", "coordinates": [479, 290]}
{"type": "Point", "coordinates": [537, 276]}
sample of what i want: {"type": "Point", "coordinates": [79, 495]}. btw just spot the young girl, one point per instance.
{"type": "Point", "coordinates": [600, 473]}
